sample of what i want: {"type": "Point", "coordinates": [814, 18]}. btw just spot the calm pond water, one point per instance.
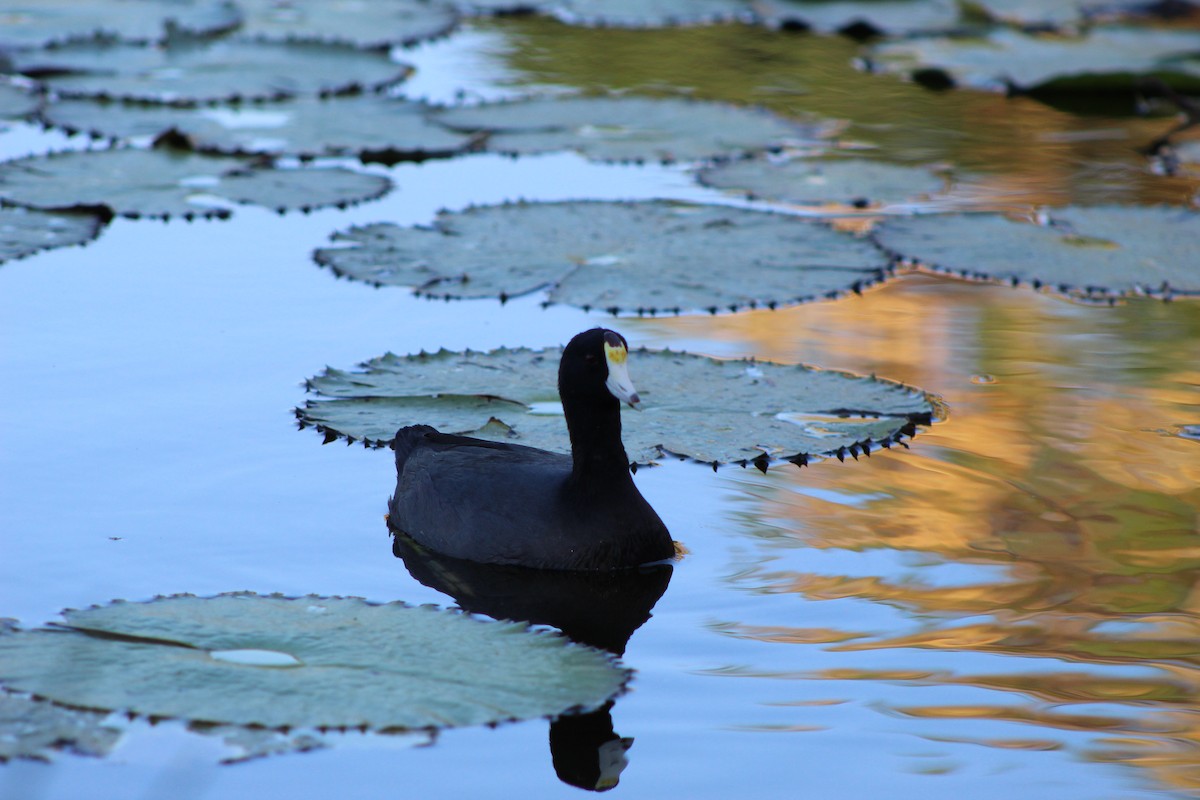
{"type": "Point", "coordinates": [1008, 607]}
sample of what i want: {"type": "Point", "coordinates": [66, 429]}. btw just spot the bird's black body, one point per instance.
{"type": "Point", "coordinates": [509, 504]}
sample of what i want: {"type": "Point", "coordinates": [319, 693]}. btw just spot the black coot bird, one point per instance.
{"type": "Point", "coordinates": [510, 504]}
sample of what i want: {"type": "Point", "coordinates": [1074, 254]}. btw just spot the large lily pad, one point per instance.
{"type": "Point", "coordinates": [247, 659]}
{"type": "Point", "coordinates": [710, 410]}
{"type": "Point", "coordinates": [375, 24]}
{"type": "Point", "coordinates": [34, 23]}
{"type": "Point", "coordinates": [650, 257]}
{"type": "Point", "coordinates": [650, 13]}
{"type": "Point", "coordinates": [25, 231]}
{"type": "Point", "coordinates": [1103, 59]}
{"type": "Point", "coordinates": [164, 182]}
{"type": "Point", "coordinates": [817, 182]}
{"type": "Point", "coordinates": [371, 125]}
{"type": "Point", "coordinates": [629, 128]}
{"type": "Point", "coordinates": [190, 72]}
{"type": "Point", "coordinates": [1098, 252]}
{"type": "Point", "coordinates": [33, 729]}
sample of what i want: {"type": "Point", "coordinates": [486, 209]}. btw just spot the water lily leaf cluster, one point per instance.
{"type": "Point", "coordinates": [650, 257]}
{"type": "Point", "coordinates": [1099, 252]}
{"type": "Point", "coordinates": [630, 128]}
{"type": "Point", "coordinates": [25, 231]}
{"type": "Point", "coordinates": [36, 23]}
{"type": "Point", "coordinates": [376, 127]}
{"type": "Point", "coordinates": [278, 662]}
{"type": "Point", "coordinates": [1102, 59]}
{"type": "Point", "coordinates": [710, 410]}
{"type": "Point", "coordinates": [163, 182]}
{"type": "Point", "coordinates": [858, 182]}
{"type": "Point", "coordinates": [225, 70]}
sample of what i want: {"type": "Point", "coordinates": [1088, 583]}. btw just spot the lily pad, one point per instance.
{"type": "Point", "coordinates": [715, 411]}
{"type": "Point", "coordinates": [857, 182]}
{"type": "Point", "coordinates": [1104, 59]}
{"type": "Point", "coordinates": [372, 125]}
{"type": "Point", "coordinates": [629, 128]}
{"type": "Point", "coordinates": [379, 23]}
{"type": "Point", "coordinates": [1100, 252]}
{"type": "Point", "coordinates": [650, 13]}
{"type": "Point", "coordinates": [35, 23]}
{"type": "Point", "coordinates": [652, 256]}
{"type": "Point", "coordinates": [311, 661]}
{"type": "Point", "coordinates": [862, 19]}
{"type": "Point", "coordinates": [17, 102]}
{"type": "Point", "coordinates": [34, 729]}
{"type": "Point", "coordinates": [165, 183]}
{"type": "Point", "coordinates": [25, 231]}
{"type": "Point", "coordinates": [192, 72]}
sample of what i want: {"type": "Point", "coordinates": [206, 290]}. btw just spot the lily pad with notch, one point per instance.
{"type": "Point", "coordinates": [196, 72]}
{"type": "Point", "coordinates": [650, 256]}
{"type": "Point", "coordinates": [380, 23]}
{"type": "Point", "coordinates": [305, 662]}
{"type": "Point", "coordinates": [628, 128]}
{"type": "Point", "coordinates": [1096, 253]}
{"type": "Point", "coordinates": [34, 729]}
{"type": "Point", "coordinates": [856, 182]}
{"type": "Point", "coordinates": [706, 409]}
{"type": "Point", "coordinates": [25, 231]}
{"type": "Point", "coordinates": [164, 182]}
{"type": "Point", "coordinates": [370, 126]}
{"type": "Point", "coordinates": [37, 23]}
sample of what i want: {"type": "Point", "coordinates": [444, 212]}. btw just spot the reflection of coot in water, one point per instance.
{"type": "Point", "coordinates": [509, 504]}
{"type": "Point", "coordinates": [601, 609]}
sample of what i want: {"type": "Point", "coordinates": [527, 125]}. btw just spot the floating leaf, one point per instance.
{"type": "Point", "coordinates": [629, 128]}
{"type": "Point", "coordinates": [1089, 252]}
{"type": "Point", "coordinates": [862, 19]}
{"type": "Point", "coordinates": [17, 102]}
{"type": "Point", "coordinates": [847, 181]}
{"type": "Point", "coordinates": [697, 407]}
{"type": "Point", "coordinates": [378, 23]}
{"type": "Point", "coordinates": [190, 72]}
{"type": "Point", "coordinates": [651, 257]}
{"type": "Point", "coordinates": [373, 125]}
{"type": "Point", "coordinates": [1104, 59]}
{"type": "Point", "coordinates": [163, 183]}
{"type": "Point", "coordinates": [25, 231]}
{"type": "Point", "coordinates": [33, 729]}
{"type": "Point", "coordinates": [342, 662]}
{"type": "Point", "coordinates": [649, 13]}
{"type": "Point", "coordinates": [34, 23]}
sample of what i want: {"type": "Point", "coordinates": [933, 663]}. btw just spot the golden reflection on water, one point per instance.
{"type": "Point", "coordinates": [1060, 470]}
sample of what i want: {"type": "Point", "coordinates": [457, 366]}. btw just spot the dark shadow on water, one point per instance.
{"type": "Point", "coordinates": [601, 609]}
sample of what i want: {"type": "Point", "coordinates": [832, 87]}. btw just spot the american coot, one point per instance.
{"type": "Point", "coordinates": [510, 504]}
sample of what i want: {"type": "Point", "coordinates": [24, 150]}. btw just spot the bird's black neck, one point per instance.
{"type": "Point", "coordinates": [594, 424]}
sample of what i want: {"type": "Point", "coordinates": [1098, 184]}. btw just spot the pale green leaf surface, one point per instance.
{"type": "Point", "coordinates": [818, 182]}
{"type": "Point", "coordinates": [630, 128]}
{"type": "Point", "coordinates": [380, 666]}
{"type": "Point", "coordinates": [161, 183]}
{"type": "Point", "coordinates": [32, 23]}
{"type": "Point", "coordinates": [697, 407]}
{"type": "Point", "coordinates": [304, 126]}
{"type": "Point", "coordinates": [649, 257]}
{"type": "Point", "coordinates": [25, 231]}
{"type": "Point", "coordinates": [1095, 252]}
{"type": "Point", "coordinates": [189, 73]}
{"type": "Point", "coordinates": [374, 24]}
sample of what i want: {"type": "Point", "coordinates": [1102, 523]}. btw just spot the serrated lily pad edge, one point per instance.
{"type": "Point", "coordinates": [762, 462]}
{"type": "Point", "coordinates": [1099, 295]}
{"type": "Point", "coordinates": [626, 673]}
